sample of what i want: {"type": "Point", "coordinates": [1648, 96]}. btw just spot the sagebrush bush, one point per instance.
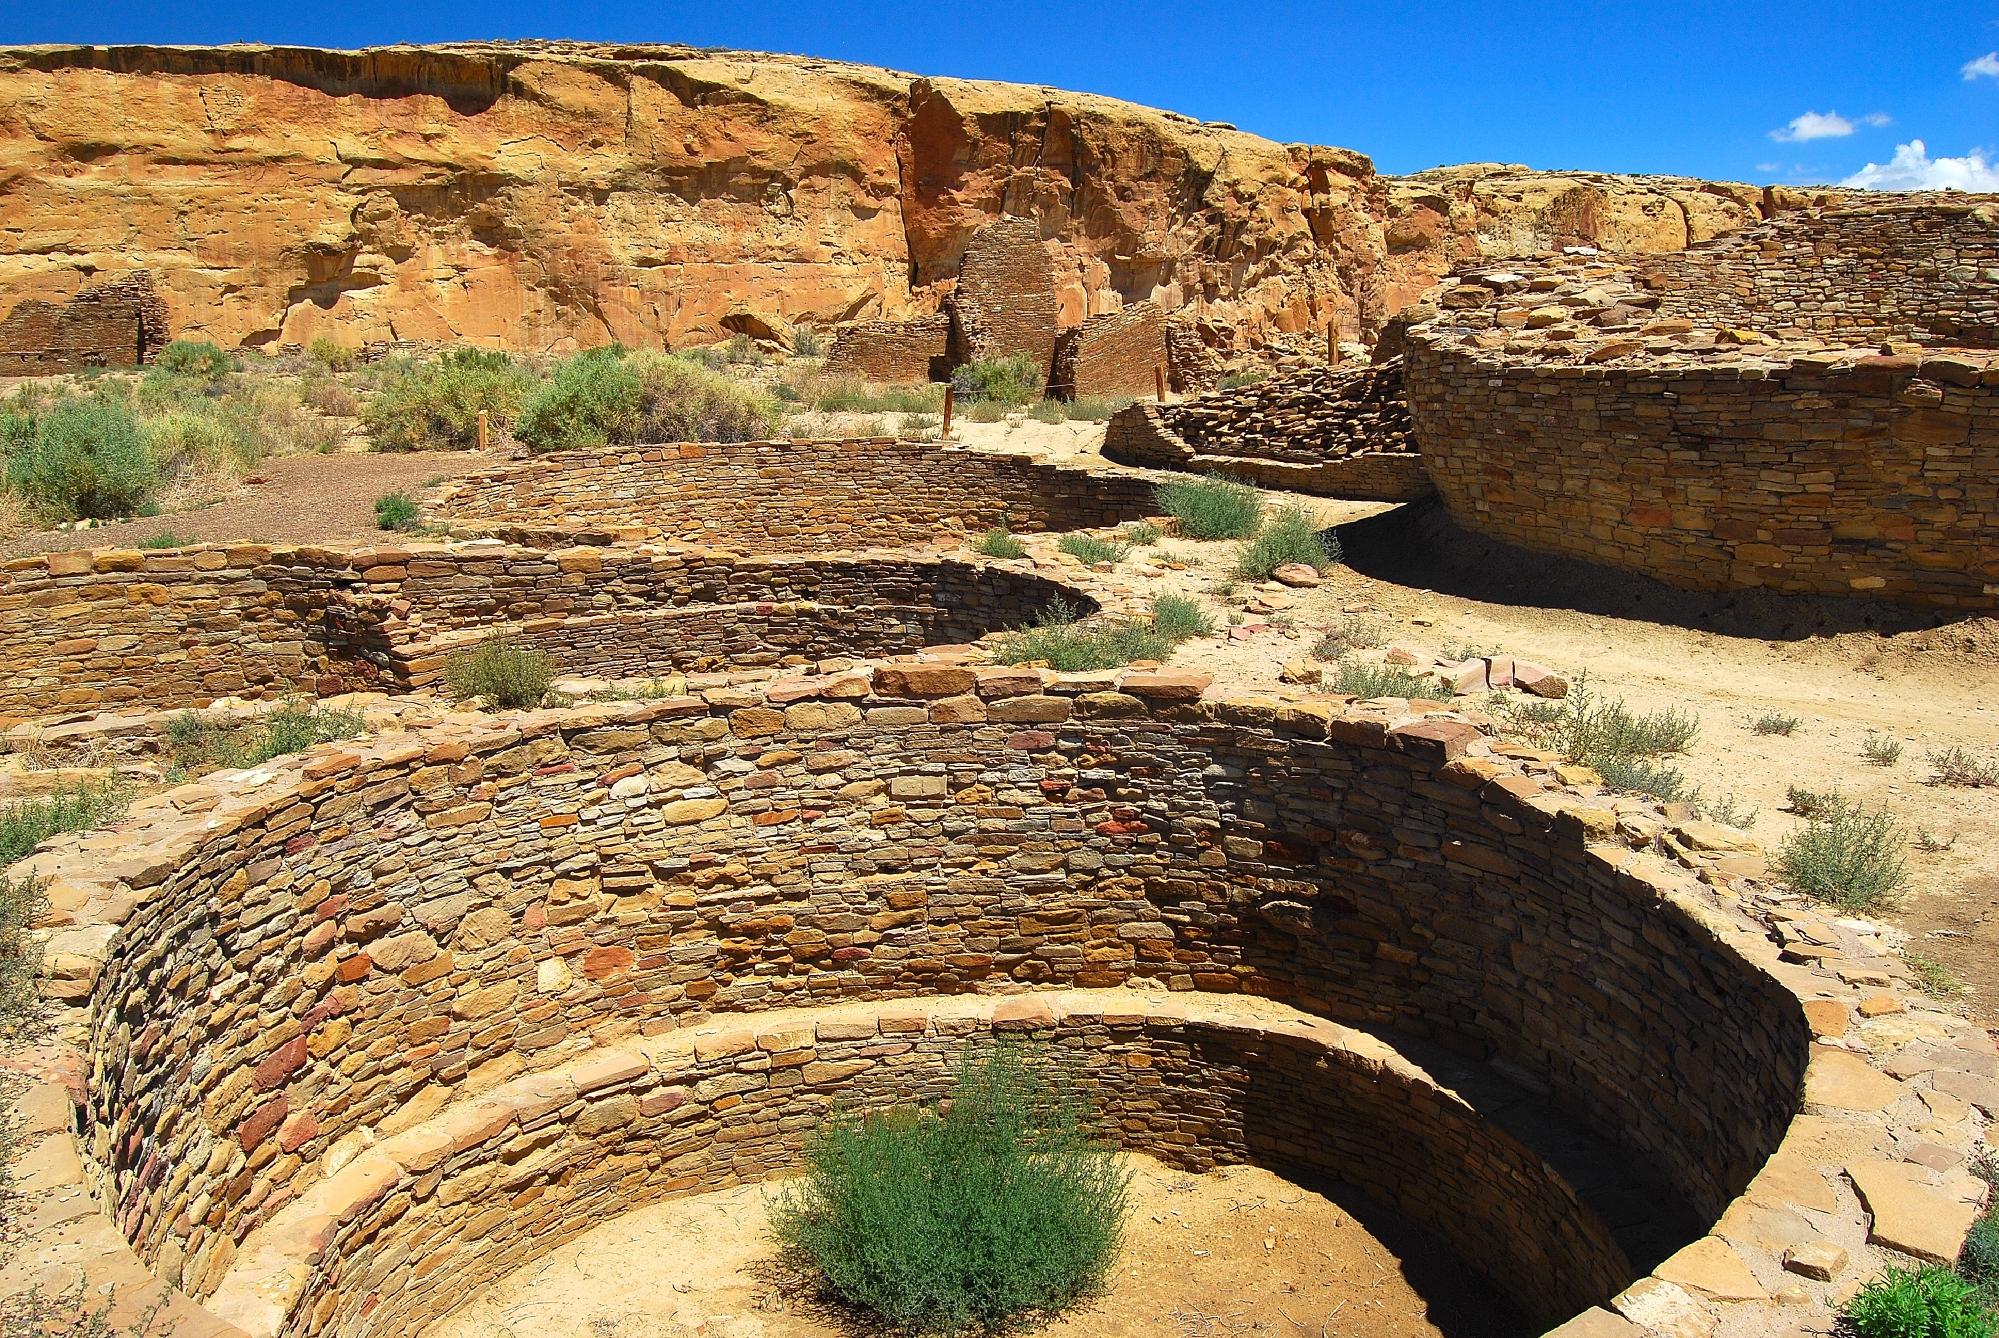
{"type": "Point", "coordinates": [1211, 508]}
{"type": "Point", "coordinates": [1621, 745]}
{"type": "Point", "coordinates": [1955, 766]}
{"type": "Point", "coordinates": [434, 406]}
{"type": "Point", "coordinates": [1368, 681]}
{"type": "Point", "coordinates": [808, 343]}
{"type": "Point", "coordinates": [1845, 854]}
{"type": "Point", "coordinates": [999, 1202]}
{"type": "Point", "coordinates": [194, 359]}
{"type": "Point", "coordinates": [1139, 534]}
{"type": "Point", "coordinates": [330, 354]}
{"type": "Point", "coordinates": [998, 542]}
{"type": "Point", "coordinates": [1060, 640]}
{"type": "Point", "coordinates": [396, 511]}
{"type": "Point", "coordinates": [1776, 722]}
{"type": "Point", "coordinates": [501, 670]}
{"type": "Point", "coordinates": [609, 396]}
{"type": "Point", "coordinates": [1925, 1302]}
{"type": "Point", "coordinates": [1358, 632]}
{"type": "Point", "coordinates": [1179, 618]}
{"type": "Point", "coordinates": [85, 458]}
{"type": "Point", "coordinates": [1093, 408]}
{"type": "Point", "coordinates": [1291, 535]}
{"type": "Point", "coordinates": [26, 823]}
{"type": "Point", "coordinates": [1013, 381]}
{"type": "Point", "coordinates": [164, 539]}
{"type": "Point", "coordinates": [1089, 548]}
{"type": "Point", "coordinates": [1881, 750]}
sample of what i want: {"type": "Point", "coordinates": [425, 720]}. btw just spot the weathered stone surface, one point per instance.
{"type": "Point", "coordinates": [1915, 1210]}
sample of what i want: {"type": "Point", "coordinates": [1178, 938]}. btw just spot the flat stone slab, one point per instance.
{"type": "Point", "coordinates": [1915, 1210]}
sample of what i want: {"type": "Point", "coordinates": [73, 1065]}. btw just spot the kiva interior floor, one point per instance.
{"type": "Point", "coordinates": [1238, 1251]}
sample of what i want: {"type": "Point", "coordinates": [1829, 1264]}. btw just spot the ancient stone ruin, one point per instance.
{"type": "Point", "coordinates": [119, 323]}
{"type": "Point", "coordinates": [371, 1027]}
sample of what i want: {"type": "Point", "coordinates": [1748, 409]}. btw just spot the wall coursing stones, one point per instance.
{"type": "Point", "coordinates": [1004, 304]}
{"type": "Point", "coordinates": [895, 352]}
{"type": "Point", "coordinates": [120, 323]}
{"type": "Point", "coordinates": [1118, 353]}
{"type": "Point", "coordinates": [802, 496]}
{"type": "Point", "coordinates": [1706, 419]}
{"type": "Point", "coordinates": [1335, 431]}
{"type": "Point", "coordinates": [183, 627]}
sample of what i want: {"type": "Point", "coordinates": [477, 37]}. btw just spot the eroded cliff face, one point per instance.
{"type": "Point", "coordinates": [554, 195]}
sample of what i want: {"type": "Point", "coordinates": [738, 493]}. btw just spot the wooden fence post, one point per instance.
{"type": "Point", "coordinates": [949, 397]}
{"type": "Point", "coordinates": [1159, 383]}
{"type": "Point", "coordinates": [485, 430]}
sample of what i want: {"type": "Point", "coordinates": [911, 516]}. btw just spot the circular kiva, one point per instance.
{"type": "Point", "coordinates": [372, 1025]}
{"type": "Point", "coordinates": [182, 627]}
{"type": "Point", "coordinates": [784, 497]}
{"type": "Point", "coordinates": [1808, 406]}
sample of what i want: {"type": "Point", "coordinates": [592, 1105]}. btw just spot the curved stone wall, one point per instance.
{"type": "Point", "coordinates": [183, 627]}
{"type": "Point", "coordinates": [784, 497]}
{"type": "Point", "coordinates": [374, 939]}
{"type": "Point", "coordinates": [1724, 418]}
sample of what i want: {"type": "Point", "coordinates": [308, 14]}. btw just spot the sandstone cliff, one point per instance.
{"type": "Point", "coordinates": [549, 195]}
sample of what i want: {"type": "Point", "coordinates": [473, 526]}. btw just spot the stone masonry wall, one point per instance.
{"type": "Point", "coordinates": [1004, 303]}
{"type": "Point", "coordinates": [185, 626]}
{"type": "Point", "coordinates": [895, 352]}
{"type": "Point", "coordinates": [1120, 353]}
{"type": "Point", "coordinates": [120, 323]}
{"type": "Point", "coordinates": [1336, 431]}
{"type": "Point", "coordinates": [785, 496]}
{"type": "Point", "coordinates": [411, 918]}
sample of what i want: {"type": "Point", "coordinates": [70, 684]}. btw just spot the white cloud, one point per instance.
{"type": "Point", "coordinates": [1826, 125]}
{"type": "Point", "coordinates": [1985, 67]}
{"type": "Point", "coordinates": [1912, 168]}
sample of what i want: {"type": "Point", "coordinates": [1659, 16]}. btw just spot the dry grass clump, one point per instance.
{"type": "Point", "coordinates": [502, 671]}
{"type": "Point", "coordinates": [999, 542]}
{"type": "Point", "coordinates": [1211, 508]}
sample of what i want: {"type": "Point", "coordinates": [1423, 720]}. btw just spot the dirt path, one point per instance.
{"type": "Point", "coordinates": [304, 499]}
{"type": "Point", "coordinates": [1239, 1251]}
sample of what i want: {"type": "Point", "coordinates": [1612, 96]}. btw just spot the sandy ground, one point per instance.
{"type": "Point", "coordinates": [1238, 1251]}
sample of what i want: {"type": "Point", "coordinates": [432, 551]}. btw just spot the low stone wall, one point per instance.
{"type": "Point", "coordinates": [121, 323]}
{"type": "Point", "coordinates": [1120, 353]}
{"type": "Point", "coordinates": [1336, 432]}
{"type": "Point", "coordinates": [894, 352]}
{"type": "Point", "coordinates": [803, 496]}
{"type": "Point", "coordinates": [82, 630]}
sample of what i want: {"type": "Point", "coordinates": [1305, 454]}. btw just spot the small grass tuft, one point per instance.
{"type": "Point", "coordinates": [1932, 978]}
{"type": "Point", "coordinates": [1729, 811]}
{"type": "Point", "coordinates": [998, 542]}
{"type": "Point", "coordinates": [1211, 508]}
{"type": "Point", "coordinates": [1291, 535]}
{"type": "Point", "coordinates": [164, 539]}
{"type": "Point", "coordinates": [1929, 1301]}
{"type": "Point", "coordinates": [1845, 854]}
{"type": "Point", "coordinates": [1140, 534]}
{"type": "Point", "coordinates": [1773, 722]}
{"type": "Point", "coordinates": [26, 823]}
{"type": "Point", "coordinates": [1955, 766]}
{"type": "Point", "coordinates": [965, 1215]}
{"type": "Point", "coordinates": [21, 905]}
{"type": "Point", "coordinates": [397, 511]}
{"type": "Point", "coordinates": [1090, 548]}
{"type": "Point", "coordinates": [501, 670]}
{"type": "Point", "coordinates": [1179, 618]}
{"type": "Point", "coordinates": [1881, 750]}
{"type": "Point", "coordinates": [1064, 643]}
{"type": "Point", "coordinates": [1357, 632]}
{"type": "Point", "coordinates": [1368, 681]}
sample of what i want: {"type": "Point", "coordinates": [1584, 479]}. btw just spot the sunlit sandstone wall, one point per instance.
{"type": "Point", "coordinates": [391, 926]}
{"type": "Point", "coordinates": [794, 496]}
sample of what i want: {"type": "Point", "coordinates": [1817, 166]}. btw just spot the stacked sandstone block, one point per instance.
{"type": "Point", "coordinates": [1120, 353]}
{"type": "Point", "coordinates": [119, 323]}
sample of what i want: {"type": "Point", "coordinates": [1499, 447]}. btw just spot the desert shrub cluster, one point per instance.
{"type": "Point", "coordinates": [614, 397]}
{"type": "Point", "coordinates": [996, 1204]}
{"type": "Point", "coordinates": [500, 670]}
{"type": "Point", "coordinates": [434, 404]}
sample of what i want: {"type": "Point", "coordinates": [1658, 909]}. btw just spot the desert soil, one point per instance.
{"type": "Point", "coordinates": [1237, 1251]}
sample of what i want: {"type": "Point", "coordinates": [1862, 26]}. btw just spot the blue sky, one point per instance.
{"type": "Point", "coordinates": [1741, 91]}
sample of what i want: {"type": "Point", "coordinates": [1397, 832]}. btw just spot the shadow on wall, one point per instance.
{"type": "Point", "coordinates": [1419, 546]}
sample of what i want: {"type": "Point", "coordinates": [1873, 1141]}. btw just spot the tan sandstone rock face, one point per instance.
{"type": "Point", "coordinates": [554, 195]}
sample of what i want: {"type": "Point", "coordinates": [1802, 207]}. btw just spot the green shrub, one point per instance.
{"type": "Point", "coordinates": [186, 440]}
{"type": "Point", "coordinates": [1211, 508]}
{"type": "Point", "coordinates": [507, 674]}
{"type": "Point", "coordinates": [1846, 855]}
{"type": "Point", "coordinates": [164, 539]}
{"type": "Point", "coordinates": [86, 459]}
{"type": "Point", "coordinates": [1926, 1302]}
{"type": "Point", "coordinates": [608, 396]}
{"type": "Point", "coordinates": [1730, 811]}
{"type": "Point", "coordinates": [1955, 766]}
{"type": "Point", "coordinates": [1935, 979]}
{"type": "Point", "coordinates": [330, 354]}
{"type": "Point", "coordinates": [1368, 681]}
{"type": "Point", "coordinates": [1774, 722]}
{"type": "Point", "coordinates": [937, 1220]}
{"type": "Point", "coordinates": [1179, 618]}
{"type": "Point", "coordinates": [1013, 381]}
{"type": "Point", "coordinates": [808, 343]}
{"type": "Point", "coordinates": [295, 725]}
{"type": "Point", "coordinates": [983, 411]}
{"type": "Point", "coordinates": [1359, 632]}
{"type": "Point", "coordinates": [1979, 1260]}
{"type": "Point", "coordinates": [396, 511]}
{"type": "Point", "coordinates": [1139, 534]}
{"type": "Point", "coordinates": [195, 360]}
{"type": "Point", "coordinates": [1250, 377]}
{"type": "Point", "coordinates": [1090, 549]}
{"type": "Point", "coordinates": [21, 905]}
{"type": "Point", "coordinates": [1620, 745]}
{"type": "Point", "coordinates": [1628, 774]}
{"type": "Point", "coordinates": [1811, 803]}
{"type": "Point", "coordinates": [1094, 408]}
{"type": "Point", "coordinates": [1291, 535]}
{"type": "Point", "coordinates": [431, 406]}
{"type": "Point", "coordinates": [1881, 750]}
{"type": "Point", "coordinates": [328, 396]}
{"type": "Point", "coordinates": [997, 542]}
{"type": "Point", "coordinates": [1060, 641]}
{"type": "Point", "coordinates": [26, 823]}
